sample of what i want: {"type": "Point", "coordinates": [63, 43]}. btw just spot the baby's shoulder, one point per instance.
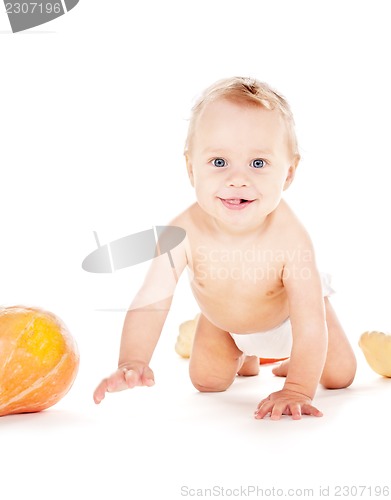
{"type": "Point", "coordinates": [290, 226]}
{"type": "Point", "coordinates": [192, 220]}
{"type": "Point", "coordinates": [185, 219]}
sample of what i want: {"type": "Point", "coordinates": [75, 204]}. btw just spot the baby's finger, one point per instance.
{"type": "Point", "coordinates": [295, 411]}
{"type": "Point", "coordinates": [263, 401]}
{"type": "Point", "coordinates": [100, 391]}
{"type": "Point", "coordinates": [113, 383]}
{"type": "Point", "coordinates": [311, 410]}
{"type": "Point", "coordinates": [132, 378]}
{"type": "Point", "coordinates": [147, 377]}
{"type": "Point", "coordinates": [278, 411]}
{"type": "Point", "coordinates": [116, 382]}
{"type": "Point", "coordinates": [263, 409]}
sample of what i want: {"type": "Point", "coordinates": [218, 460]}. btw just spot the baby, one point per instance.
{"type": "Point", "coordinates": [252, 263]}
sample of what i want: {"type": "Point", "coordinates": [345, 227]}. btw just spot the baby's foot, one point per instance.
{"type": "Point", "coordinates": [376, 347]}
{"type": "Point", "coordinates": [282, 369]}
{"type": "Point", "coordinates": [250, 367]}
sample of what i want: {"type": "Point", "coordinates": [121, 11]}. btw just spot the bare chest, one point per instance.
{"type": "Point", "coordinates": [240, 288]}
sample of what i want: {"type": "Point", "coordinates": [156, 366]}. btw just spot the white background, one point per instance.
{"type": "Point", "coordinates": [93, 118]}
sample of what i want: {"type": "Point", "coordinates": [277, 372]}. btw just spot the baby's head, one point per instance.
{"type": "Point", "coordinates": [246, 91]}
{"type": "Point", "coordinates": [241, 151]}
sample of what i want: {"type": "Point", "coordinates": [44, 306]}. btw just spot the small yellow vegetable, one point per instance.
{"type": "Point", "coordinates": [185, 338]}
{"type": "Point", "coordinates": [376, 347]}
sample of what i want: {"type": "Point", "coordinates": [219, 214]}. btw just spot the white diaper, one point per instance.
{"type": "Point", "coordinates": [275, 343]}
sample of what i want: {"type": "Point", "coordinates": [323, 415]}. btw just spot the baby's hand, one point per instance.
{"type": "Point", "coordinates": [126, 377]}
{"type": "Point", "coordinates": [286, 402]}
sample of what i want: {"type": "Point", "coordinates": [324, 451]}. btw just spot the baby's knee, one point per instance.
{"type": "Point", "coordinates": [341, 380]}
{"type": "Point", "coordinates": [209, 384]}
{"type": "Point", "coordinates": [337, 383]}
{"type": "Point", "coordinates": [209, 387]}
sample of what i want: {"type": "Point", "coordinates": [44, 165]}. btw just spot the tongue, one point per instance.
{"type": "Point", "coordinates": [234, 201]}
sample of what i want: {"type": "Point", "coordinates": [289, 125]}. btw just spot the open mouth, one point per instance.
{"type": "Point", "coordinates": [235, 203]}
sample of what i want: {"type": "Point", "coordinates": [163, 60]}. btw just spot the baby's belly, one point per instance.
{"type": "Point", "coordinates": [240, 312]}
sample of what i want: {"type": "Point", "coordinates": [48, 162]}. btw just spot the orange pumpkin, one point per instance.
{"type": "Point", "coordinates": [39, 360]}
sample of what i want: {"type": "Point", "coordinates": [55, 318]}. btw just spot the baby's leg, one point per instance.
{"type": "Point", "coordinates": [340, 365]}
{"type": "Point", "coordinates": [215, 359]}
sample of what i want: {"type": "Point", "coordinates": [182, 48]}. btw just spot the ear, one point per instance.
{"type": "Point", "coordinates": [189, 167]}
{"type": "Point", "coordinates": [291, 172]}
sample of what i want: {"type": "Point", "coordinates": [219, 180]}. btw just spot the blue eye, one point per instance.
{"type": "Point", "coordinates": [219, 162]}
{"type": "Point", "coordinates": [258, 163]}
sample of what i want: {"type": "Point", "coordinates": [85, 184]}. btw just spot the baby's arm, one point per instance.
{"type": "Point", "coordinates": [143, 324]}
{"type": "Point", "coordinates": [307, 315]}
{"type": "Point", "coordinates": [140, 334]}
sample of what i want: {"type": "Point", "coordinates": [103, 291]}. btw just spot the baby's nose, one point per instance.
{"type": "Point", "coordinates": [237, 177]}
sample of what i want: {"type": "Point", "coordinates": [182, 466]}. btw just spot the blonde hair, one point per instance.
{"type": "Point", "coordinates": [249, 91]}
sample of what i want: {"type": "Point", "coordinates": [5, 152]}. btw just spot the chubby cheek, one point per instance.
{"type": "Point", "coordinates": [270, 194]}
{"type": "Point", "coordinates": [202, 195]}
{"type": "Point", "coordinates": [205, 185]}
{"type": "Point", "coordinates": [276, 186]}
